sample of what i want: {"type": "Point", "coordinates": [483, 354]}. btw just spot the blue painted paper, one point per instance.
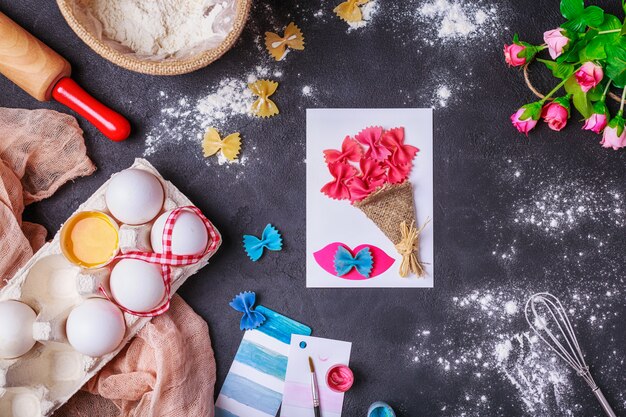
{"type": "Point", "coordinates": [253, 386]}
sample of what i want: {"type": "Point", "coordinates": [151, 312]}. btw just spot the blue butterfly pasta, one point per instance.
{"type": "Point", "coordinates": [270, 240]}
{"type": "Point", "coordinates": [362, 261]}
{"type": "Point", "coordinates": [244, 303]}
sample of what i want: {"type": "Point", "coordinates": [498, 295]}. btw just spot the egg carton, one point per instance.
{"type": "Point", "coordinates": [39, 382]}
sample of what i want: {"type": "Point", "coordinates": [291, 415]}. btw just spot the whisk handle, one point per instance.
{"type": "Point", "coordinates": [604, 403]}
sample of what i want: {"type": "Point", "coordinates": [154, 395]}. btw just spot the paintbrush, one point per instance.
{"type": "Point", "coordinates": [314, 389]}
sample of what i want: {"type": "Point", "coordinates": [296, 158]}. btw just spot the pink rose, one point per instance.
{"type": "Point", "coordinates": [596, 122]}
{"type": "Point", "coordinates": [589, 75]}
{"type": "Point", "coordinates": [511, 55]}
{"type": "Point", "coordinates": [523, 126]}
{"type": "Point", "coordinates": [611, 139]}
{"type": "Point", "coordinates": [555, 115]}
{"type": "Point", "coordinates": [556, 42]}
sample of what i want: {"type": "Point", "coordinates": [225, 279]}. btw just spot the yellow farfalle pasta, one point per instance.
{"type": "Point", "coordinates": [230, 145]}
{"type": "Point", "coordinates": [263, 106]}
{"type": "Point", "coordinates": [277, 45]}
{"type": "Point", "coordinates": [349, 10]}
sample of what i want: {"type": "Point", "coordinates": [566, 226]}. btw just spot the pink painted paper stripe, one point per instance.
{"type": "Point", "coordinates": [299, 395]}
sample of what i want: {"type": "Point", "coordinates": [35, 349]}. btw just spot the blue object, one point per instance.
{"type": "Point", "coordinates": [380, 409]}
{"type": "Point", "coordinates": [244, 303]}
{"type": "Point", "coordinates": [362, 261]}
{"type": "Point", "coordinates": [270, 239]}
{"type": "Point", "coordinates": [266, 356]}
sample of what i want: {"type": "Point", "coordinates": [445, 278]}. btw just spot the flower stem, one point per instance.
{"type": "Point", "coordinates": [555, 89]}
{"type": "Point", "coordinates": [621, 106]}
{"type": "Point", "coordinates": [609, 31]}
{"type": "Point", "coordinates": [606, 90]}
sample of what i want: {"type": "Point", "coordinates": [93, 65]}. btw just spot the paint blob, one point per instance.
{"type": "Point", "coordinates": [380, 409]}
{"type": "Point", "coordinates": [339, 378]}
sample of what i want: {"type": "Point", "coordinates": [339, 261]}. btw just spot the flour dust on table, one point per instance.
{"type": "Point", "coordinates": [455, 20]}
{"type": "Point", "coordinates": [186, 118]}
{"type": "Point", "coordinates": [498, 350]}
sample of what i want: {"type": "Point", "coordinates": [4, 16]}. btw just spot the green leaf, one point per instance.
{"type": "Point", "coordinates": [571, 9]}
{"type": "Point", "coordinates": [577, 24]}
{"type": "Point", "coordinates": [560, 70]}
{"type": "Point", "coordinates": [595, 93]}
{"type": "Point", "coordinates": [594, 16]}
{"type": "Point", "coordinates": [572, 51]}
{"type": "Point", "coordinates": [610, 22]}
{"type": "Point", "coordinates": [623, 32]}
{"type": "Point", "coordinates": [594, 51]}
{"type": "Point", "coordinates": [616, 63]}
{"type": "Point", "coordinates": [581, 100]}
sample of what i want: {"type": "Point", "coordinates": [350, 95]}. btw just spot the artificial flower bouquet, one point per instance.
{"type": "Point", "coordinates": [372, 170]}
{"type": "Point", "coordinates": [588, 56]}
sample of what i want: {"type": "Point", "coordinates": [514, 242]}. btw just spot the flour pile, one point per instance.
{"type": "Point", "coordinates": [164, 28]}
{"type": "Point", "coordinates": [456, 20]}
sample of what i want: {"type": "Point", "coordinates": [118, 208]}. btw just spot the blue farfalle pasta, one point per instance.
{"type": "Point", "coordinates": [270, 240]}
{"type": "Point", "coordinates": [362, 261]}
{"type": "Point", "coordinates": [244, 303]}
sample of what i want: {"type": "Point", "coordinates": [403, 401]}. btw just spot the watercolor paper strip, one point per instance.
{"type": "Point", "coordinates": [255, 382]}
{"type": "Point", "coordinates": [297, 398]}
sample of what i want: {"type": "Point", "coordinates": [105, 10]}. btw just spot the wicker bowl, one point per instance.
{"type": "Point", "coordinates": [169, 66]}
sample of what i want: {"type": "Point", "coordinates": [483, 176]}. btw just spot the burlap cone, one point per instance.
{"type": "Point", "coordinates": [392, 209]}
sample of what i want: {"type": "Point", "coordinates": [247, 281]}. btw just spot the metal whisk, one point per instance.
{"type": "Point", "coordinates": [545, 313]}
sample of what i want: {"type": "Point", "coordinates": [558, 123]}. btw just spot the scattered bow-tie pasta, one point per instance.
{"type": "Point", "coordinates": [277, 45]}
{"type": "Point", "coordinates": [244, 303]}
{"type": "Point", "coordinates": [270, 240]}
{"type": "Point", "coordinates": [229, 146]}
{"type": "Point", "coordinates": [263, 106]}
{"type": "Point", "coordinates": [350, 10]}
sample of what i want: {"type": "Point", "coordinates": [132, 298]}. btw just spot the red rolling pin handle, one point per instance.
{"type": "Point", "coordinates": [112, 124]}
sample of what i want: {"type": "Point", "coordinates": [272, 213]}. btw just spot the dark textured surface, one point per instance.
{"type": "Point", "coordinates": [386, 64]}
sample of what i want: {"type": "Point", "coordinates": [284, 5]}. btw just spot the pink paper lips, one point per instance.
{"type": "Point", "coordinates": [325, 258]}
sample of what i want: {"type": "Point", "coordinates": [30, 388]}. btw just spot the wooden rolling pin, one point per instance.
{"type": "Point", "coordinates": [44, 74]}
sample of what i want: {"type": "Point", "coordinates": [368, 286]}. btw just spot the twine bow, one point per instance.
{"type": "Point", "coordinates": [407, 247]}
{"type": "Point", "coordinates": [167, 259]}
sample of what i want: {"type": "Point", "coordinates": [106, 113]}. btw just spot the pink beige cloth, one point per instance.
{"type": "Point", "coordinates": [168, 369]}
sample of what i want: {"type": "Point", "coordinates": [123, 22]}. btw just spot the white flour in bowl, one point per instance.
{"type": "Point", "coordinates": [163, 28]}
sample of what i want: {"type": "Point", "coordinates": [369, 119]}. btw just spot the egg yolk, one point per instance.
{"type": "Point", "coordinates": [91, 239]}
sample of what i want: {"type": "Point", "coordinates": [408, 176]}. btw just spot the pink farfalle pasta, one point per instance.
{"type": "Point", "coordinates": [401, 153]}
{"type": "Point", "coordinates": [371, 138]}
{"type": "Point", "coordinates": [350, 151]}
{"type": "Point", "coordinates": [397, 173]}
{"type": "Point", "coordinates": [342, 173]}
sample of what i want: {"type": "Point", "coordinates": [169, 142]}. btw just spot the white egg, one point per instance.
{"type": "Point", "coordinates": [96, 327]}
{"type": "Point", "coordinates": [134, 196]}
{"type": "Point", "coordinates": [137, 285]}
{"type": "Point", "coordinates": [189, 236]}
{"type": "Point", "coordinates": [16, 329]}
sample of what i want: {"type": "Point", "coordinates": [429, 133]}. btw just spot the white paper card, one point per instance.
{"type": "Point", "coordinates": [297, 397]}
{"type": "Point", "coordinates": [331, 220]}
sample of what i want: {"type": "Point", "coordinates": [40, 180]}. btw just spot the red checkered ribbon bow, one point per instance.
{"type": "Point", "coordinates": [167, 259]}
